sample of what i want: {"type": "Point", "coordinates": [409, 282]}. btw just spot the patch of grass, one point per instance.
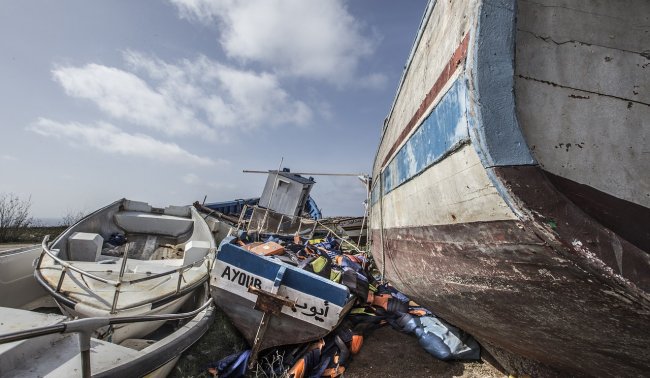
{"type": "Point", "coordinates": [221, 340]}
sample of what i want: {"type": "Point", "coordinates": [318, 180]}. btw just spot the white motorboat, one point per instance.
{"type": "Point", "coordinates": [127, 259]}
{"type": "Point", "coordinates": [34, 344]}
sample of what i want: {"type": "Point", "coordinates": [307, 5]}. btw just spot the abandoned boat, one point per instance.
{"type": "Point", "coordinates": [511, 188]}
{"type": "Point", "coordinates": [304, 306]}
{"type": "Point", "coordinates": [34, 344]}
{"type": "Point", "coordinates": [17, 276]}
{"type": "Point", "coordinates": [284, 192]}
{"type": "Point", "coordinates": [255, 284]}
{"type": "Point", "coordinates": [128, 258]}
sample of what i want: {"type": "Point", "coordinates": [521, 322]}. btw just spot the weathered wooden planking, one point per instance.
{"type": "Point", "coordinates": [485, 231]}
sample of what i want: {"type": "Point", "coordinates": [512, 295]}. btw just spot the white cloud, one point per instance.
{"type": "Point", "coordinates": [313, 39]}
{"type": "Point", "coordinates": [110, 139]}
{"type": "Point", "coordinates": [258, 98]}
{"type": "Point", "coordinates": [8, 157]}
{"type": "Point", "coordinates": [199, 97]}
{"type": "Point", "coordinates": [124, 96]}
{"type": "Point", "coordinates": [226, 96]}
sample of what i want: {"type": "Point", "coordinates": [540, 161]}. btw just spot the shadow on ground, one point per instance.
{"type": "Point", "coordinates": [389, 353]}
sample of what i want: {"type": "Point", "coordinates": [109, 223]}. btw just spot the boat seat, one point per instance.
{"type": "Point", "coordinates": [85, 246]}
{"type": "Point", "coordinates": [146, 223]}
{"type": "Point", "coordinates": [195, 250]}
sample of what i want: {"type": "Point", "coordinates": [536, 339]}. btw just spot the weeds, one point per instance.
{"type": "Point", "coordinates": [221, 340]}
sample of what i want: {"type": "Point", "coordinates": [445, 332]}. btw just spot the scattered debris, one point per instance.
{"type": "Point", "coordinates": [375, 305]}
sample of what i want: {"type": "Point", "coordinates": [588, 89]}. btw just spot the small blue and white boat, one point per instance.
{"type": "Point", "coordinates": [273, 303]}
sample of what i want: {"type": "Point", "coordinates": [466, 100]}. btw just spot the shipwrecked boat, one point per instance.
{"type": "Point", "coordinates": [310, 306]}
{"type": "Point", "coordinates": [34, 344]}
{"type": "Point", "coordinates": [128, 258]}
{"type": "Point", "coordinates": [284, 192]}
{"type": "Point", "coordinates": [265, 289]}
{"type": "Point", "coordinates": [288, 193]}
{"type": "Point", "coordinates": [511, 188]}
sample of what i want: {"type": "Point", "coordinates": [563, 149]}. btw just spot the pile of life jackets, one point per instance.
{"type": "Point", "coordinates": [377, 305]}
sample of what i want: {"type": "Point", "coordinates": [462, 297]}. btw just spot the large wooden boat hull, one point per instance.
{"type": "Point", "coordinates": [511, 189]}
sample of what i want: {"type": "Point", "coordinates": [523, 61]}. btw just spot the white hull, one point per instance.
{"type": "Point", "coordinates": [58, 355]}
{"type": "Point", "coordinates": [169, 254]}
{"type": "Point", "coordinates": [123, 332]}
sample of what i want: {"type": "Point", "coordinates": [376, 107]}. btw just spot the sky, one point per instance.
{"type": "Point", "coordinates": [168, 101]}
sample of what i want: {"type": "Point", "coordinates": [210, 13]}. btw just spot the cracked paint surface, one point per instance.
{"type": "Point", "coordinates": [581, 81]}
{"type": "Point", "coordinates": [537, 241]}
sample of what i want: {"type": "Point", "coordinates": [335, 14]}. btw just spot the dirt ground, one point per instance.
{"type": "Point", "coordinates": [389, 353]}
{"type": "Point", "coordinates": [385, 353]}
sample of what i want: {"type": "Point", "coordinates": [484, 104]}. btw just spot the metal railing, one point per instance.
{"type": "Point", "coordinates": [85, 327]}
{"type": "Point", "coordinates": [267, 221]}
{"type": "Point", "coordinates": [65, 266]}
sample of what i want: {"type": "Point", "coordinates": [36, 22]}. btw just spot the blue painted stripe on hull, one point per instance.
{"type": "Point", "coordinates": [374, 194]}
{"type": "Point", "coordinates": [440, 132]}
{"type": "Point", "coordinates": [297, 279]}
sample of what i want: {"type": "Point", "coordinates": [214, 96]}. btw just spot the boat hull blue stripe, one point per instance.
{"type": "Point", "coordinates": [295, 278]}
{"type": "Point", "coordinates": [439, 133]}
